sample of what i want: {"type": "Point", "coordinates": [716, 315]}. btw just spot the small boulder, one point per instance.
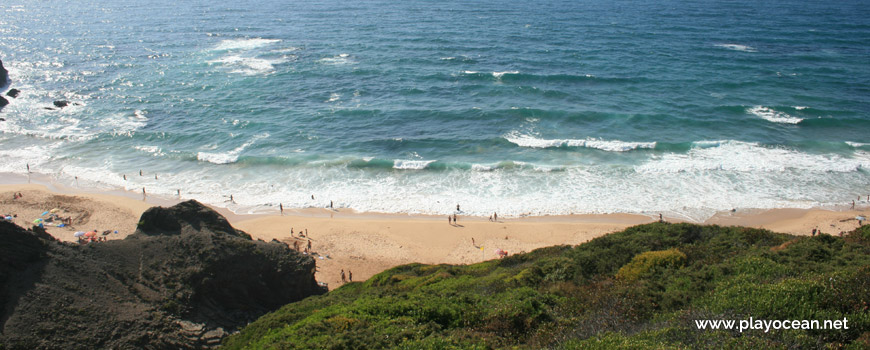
{"type": "Point", "coordinates": [3, 102]}
{"type": "Point", "coordinates": [13, 93]}
{"type": "Point", "coordinates": [61, 103]}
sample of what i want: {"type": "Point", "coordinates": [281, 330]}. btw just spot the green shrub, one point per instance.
{"type": "Point", "coordinates": [644, 263]}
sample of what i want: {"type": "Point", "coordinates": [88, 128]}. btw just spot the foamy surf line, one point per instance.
{"type": "Point", "coordinates": [772, 115]}
{"type": "Point", "coordinates": [230, 156]}
{"type": "Point", "coordinates": [604, 145]}
{"type": "Point", "coordinates": [711, 177]}
{"type": "Point", "coordinates": [244, 44]}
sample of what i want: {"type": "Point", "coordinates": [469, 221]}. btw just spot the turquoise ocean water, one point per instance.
{"type": "Point", "coordinates": [546, 107]}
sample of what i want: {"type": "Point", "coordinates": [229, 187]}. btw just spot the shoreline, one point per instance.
{"type": "Point", "coordinates": [368, 243]}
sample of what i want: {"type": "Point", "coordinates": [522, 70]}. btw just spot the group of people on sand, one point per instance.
{"type": "Point", "coordinates": [296, 241]}
{"type": "Point", "coordinates": [346, 278]}
{"type": "Point", "coordinates": [92, 237]}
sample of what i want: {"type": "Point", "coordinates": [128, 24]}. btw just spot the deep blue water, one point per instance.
{"type": "Point", "coordinates": [547, 107]}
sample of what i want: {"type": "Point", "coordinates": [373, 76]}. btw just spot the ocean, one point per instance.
{"type": "Point", "coordinates": [522, 108]}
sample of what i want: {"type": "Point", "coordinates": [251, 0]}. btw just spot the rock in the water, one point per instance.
{"type": "Point", "coordinates": [4, 75]}
{"type": "Point", "coordinates": [184, 288]}
{"type": "Point", "coordinates": [61, 103]}
{"type": "Point", "coordinates": [13, 93]}
{"type": "Point", "coordinates": [3, 102]}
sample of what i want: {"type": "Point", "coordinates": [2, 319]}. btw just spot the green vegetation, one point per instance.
{"type": "Point", "coordinates": [642, 288]}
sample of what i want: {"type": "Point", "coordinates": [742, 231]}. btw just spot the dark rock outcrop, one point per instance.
{"type": "Point", "coordinates": [4, 75]}
{"type": "Point", "coordinates": [61, 103]}
{"type": "Point", "coordinates": [13, 93]}
{"type": "Point", "coordinates": [3, 102]}
{"type": "Point", "coordinates": [184, 280]}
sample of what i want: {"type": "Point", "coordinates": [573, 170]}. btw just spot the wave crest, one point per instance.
{"type": "Point", "coordinates": [773, 115]}
{"type": "Point", "coordinates": [604, 145]}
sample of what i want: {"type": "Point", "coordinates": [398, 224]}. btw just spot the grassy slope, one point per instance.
{"type": "Point", "coordinates": [581, 297]}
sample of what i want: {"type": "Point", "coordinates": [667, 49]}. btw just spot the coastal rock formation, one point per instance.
{"type": "Point", "coordinates": [3, 102]}
{"type": "Point", "coordinates": [13, 93]}
{"type": "Point", "coordinates": [61, 103]}
{"type": "Point", "coordinates": [184, 280]}
{"type": "Point", "coordinates": [4, 75]}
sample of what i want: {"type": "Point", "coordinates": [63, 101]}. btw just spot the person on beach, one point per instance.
{"type": "Point", "coordinates": [343, 278]}
{"type": "Point", "coordinates": [457, 207]}
{"type": "Point", "coordinates": [143, 192]}
{"type": "Point", "coordinates": [140, 172]}
{"type": "Point", "coordinates": [495, 217]}
{"type": "Point", "coordinates": [490, 218]}
{"type": "Point", "coordinates": [814, 232]}
{"type": "Point", "coordinates": [853, 205]}
{"type": "Point", "coordinates": [450, 220]}
{"type": "Point", "coordinates": [309, 243]}
{"type": "Point", "coordinates": [306, 232]}
{"type": "Point", "coordinates": [349, 276]}
{"type": "Point", "coordinates": [330, 205]}
{"type": "Point", "coordinates": [125, 177]}
{"type": "Point", "coordinates": [155, 176]}
{"type": "Point", "coordinates": [312, 197]}
{"type": "Point", "coordinates": [296, 245]}
{"type": "Point", "coordinates": [455, 219]}
{"type": "Point", "coordinates": [178, 192]}
{"type": "Point", "coordinates": [281, 207]}
{"type": "Point", "coordinates": [28, 168]}
{"type": "Point", "coordinates": [661, 219]}
{"type": "Point", "coordinates": [291, 232]}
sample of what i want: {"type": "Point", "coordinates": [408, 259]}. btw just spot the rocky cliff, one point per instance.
{"type": "Point", "coordinates": [4, 75]}
{"type": "Point", "coordinates": [184, 280]}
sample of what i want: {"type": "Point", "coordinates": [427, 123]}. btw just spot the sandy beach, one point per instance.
{"type": "Point", "coordinates": [366, 243]}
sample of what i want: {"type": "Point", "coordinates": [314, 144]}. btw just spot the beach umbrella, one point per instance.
{"type": "Point", "coordinates": [44, 213]}
{"type": "Point", "coordinates": [37, 221]}
{"type": "Point", "coordinates": [499, 252]}
{"type": "Point", "coordinates": [79, 234]}
{"type": "Point", "coordinates": [860, 218]}
{"type": "Point", "coordinates": [55, 210]}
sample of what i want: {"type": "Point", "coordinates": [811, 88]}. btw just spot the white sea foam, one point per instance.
{"type": "Point", "coordinates": [406, 164]}
{"type": "Point", "coordinates": [498, 75]}
{"type": "Point", "coordinates": [230, 156]}
{"type": "Point", "coordinates": [800, 108]}
{"type": "Point", "coordinates": [482, 167]}
{"type": "Point", "coordinates": [153, 150]}
{"type": "Point", "coordinates": [248, 65]}
{"type": "Point", "coordinates": [749, 157]}
{"type": "Point", "coordinates": [338, 60]}
{"type": "Point", "coordinates": [333, 97]}
{"type": "Point", "coordinates": [604, 145]}
{"type": "Point", "coordinates": [772, 115]}
{"type": "Point", "coordinates": [857, 144]}
{"type": "Point", "coordinates": [737, 47]}
{"type": "Point", "coordinates": [243, 44]}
